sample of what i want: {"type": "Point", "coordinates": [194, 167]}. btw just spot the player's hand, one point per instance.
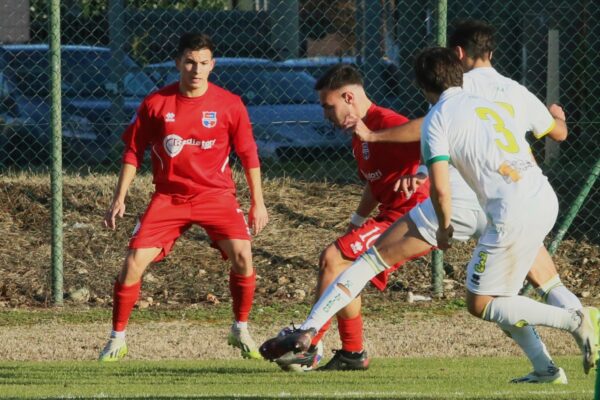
{"type": "Point", "coordinates": [356, 125]}
{"type": "Point", "coordinates": [258, 218]}
{"type": "Point", "coordinates": [444, 237]}
{"type": "Point", "coordinates": [557, 111]}
{"type": "Point", "coordinates": [409, 184]}
{"type": "Point", "coordinates": [117, 207]}
{"type": "Point", "coordinates": [351, 227]}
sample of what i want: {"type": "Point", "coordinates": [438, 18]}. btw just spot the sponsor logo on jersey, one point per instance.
{"type": "Point", "coordinates": [372, 176]}
{"type": "Point", "coordinates": [356, 247]}
{"type": "Point", "coordinates": [365, 150]}
{"type": "Point", "coordinates": [209, 119]}
{"type": "Point", "coordinates": [170, 117]}
{"type": "Point", "coordinates": [173, 144]}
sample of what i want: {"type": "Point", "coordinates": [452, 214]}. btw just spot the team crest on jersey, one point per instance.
{"type": "Point", "coordinates": [170, 117]}
{"type": "Point", "coordinates": [365, 150]}
{"type": "Point", "coordinates": [209, 119]}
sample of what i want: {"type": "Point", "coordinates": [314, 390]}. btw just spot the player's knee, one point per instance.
{"type": "Point", "coordinates": [133, 268]}
{"type": "Point", "coordinates": [328, 260]}
{"type": "Point", "coordinates": [241, 262]}
{"type": "Point", "coordinates": [475, 307]}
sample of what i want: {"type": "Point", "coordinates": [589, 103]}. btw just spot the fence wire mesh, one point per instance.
{"type": "Point", "coordinates": [270, 53]}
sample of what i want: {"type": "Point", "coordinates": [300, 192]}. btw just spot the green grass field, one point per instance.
{"type": "Point", "coordinates": [423, 378]}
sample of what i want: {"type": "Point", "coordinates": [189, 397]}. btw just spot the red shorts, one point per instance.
{"type": "Point", "coordinates": [169, 216]}
{"type": "Point", "coordinates": [356, 242]}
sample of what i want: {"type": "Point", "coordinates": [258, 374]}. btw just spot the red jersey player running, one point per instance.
{"type": "Point", "coordinates": [380, 165]}
{"type": "Point", "coordinates": [189, 128]}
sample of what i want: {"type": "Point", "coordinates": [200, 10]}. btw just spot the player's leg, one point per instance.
{"type": "Point", "coordinates": [125, 294]}
{"type": "Point", "coordinates": [242, 285]}
{"type": "Point", "coordinates": [344, 289]}
{"type": "Point", "coordinates": [331, 263]}
{"type": "Point", "coordinates": [152, 239]}
{"type": "Point", "coordinates": [500, 263]}
{"type": "Point", "coordinates": [544, 277]}
{"type": "Point", "coordinates": [400, 240]}
{"type": "Point", "coordinates": [224, 222]}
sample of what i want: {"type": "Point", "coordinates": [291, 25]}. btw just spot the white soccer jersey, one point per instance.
{"type": "Point", "coordinates": [478, 138]}
{"type": "Point", "coordinates": [527, 110]}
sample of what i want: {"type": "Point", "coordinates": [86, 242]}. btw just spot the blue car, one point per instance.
{"type": "Point", "coordinates": [284, 108]}
{"type": "Point", "coordinates": [25, 106]}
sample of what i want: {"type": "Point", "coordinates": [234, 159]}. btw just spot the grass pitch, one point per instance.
{"type": "Point", "coordinates": [406, 378]}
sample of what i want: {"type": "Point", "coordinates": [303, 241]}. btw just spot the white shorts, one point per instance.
{"type": "Point", "coordinates": [467, 223]}
{"type": "Point", "coordinates": [503, 256]}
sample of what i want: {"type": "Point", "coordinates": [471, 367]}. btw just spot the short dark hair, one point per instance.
{"type": "Point", "coordinates": [476, 37]}
{"type": "Point", "coordinates": [437, 69]}
{"type": "Point", "coordinates": [338, 76]}
{"type": "Point", "coordinates": [194, 41]}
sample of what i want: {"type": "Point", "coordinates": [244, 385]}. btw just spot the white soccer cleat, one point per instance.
{"type": "Point", "coordinates": [115, 349]}
{"type": "Point", "coordinates": [558, 378]}
{"type": "Point", "coordinates": [240, 338]}
{"type": "Point", "coordinates": [587, 336]}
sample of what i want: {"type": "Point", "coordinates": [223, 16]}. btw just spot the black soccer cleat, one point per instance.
{"type": "Point", "coordinates": [347, 361]}
{"type": "Point", "coordinates": [294, 340]}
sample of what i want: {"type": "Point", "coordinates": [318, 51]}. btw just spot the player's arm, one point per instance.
{"type": "Point", "coordinates": [406, 133]}
{"type": "Point", "coordinates": [544, 120]}
{"type": "Point", "coordinates": [560, 131]}
{"type": "Point", "coordinates": [136, 140]}
{"type": "Point", "coordinates": [245, 148]}
{"type": "Point", "coordinates": [117, 205]}
{"type": "Point", "coordinates": [365, 206]}
{"type": "Point", "coordinates": [258, 216]}
{"type": "Point", "coordinates": [441, 200]}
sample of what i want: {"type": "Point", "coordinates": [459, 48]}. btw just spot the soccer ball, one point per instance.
{"type": "Point", "coordinates": [298, 362]}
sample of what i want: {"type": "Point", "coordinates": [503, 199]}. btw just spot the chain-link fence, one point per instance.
{"type": "Point", "coordinates": [270, 52]}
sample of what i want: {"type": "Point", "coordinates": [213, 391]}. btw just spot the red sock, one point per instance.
{"type": "Point", "coordinates": [321, 332]}
{"type": "Point", "coordinates": [124, 298]}
{"type": "Point", "coordinates": [242, 293]}
{"type": "Point", "coordinates": [351, 333]}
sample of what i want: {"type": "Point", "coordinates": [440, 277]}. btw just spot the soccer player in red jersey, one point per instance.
{"type": "Point", "coordinates": [189, 128]}
{"type": "Point", "coordinates": [380, 166]}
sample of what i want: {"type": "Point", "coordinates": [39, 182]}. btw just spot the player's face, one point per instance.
{"type": "Point", "coordinates": [337, 105]}
{"type": "Point", "coordinates": [194, 67]}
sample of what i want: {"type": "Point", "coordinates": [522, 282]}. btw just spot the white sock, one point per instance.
{"type": "Point", "coordinates": [520, 311]}
{"type": "Point", "coordinates": [240, 324]}
{"type": "Point", "coordinates": [117, 334]}
{"type": "Point", "coordinates": [555, 293]}
{"type": "Point", "coordinates": [354, 279]}
{"type": "Point", "coordinates": [530, 342]}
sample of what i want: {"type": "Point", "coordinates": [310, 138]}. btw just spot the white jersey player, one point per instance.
{"type": "Point", "coordinates": [477, 137]}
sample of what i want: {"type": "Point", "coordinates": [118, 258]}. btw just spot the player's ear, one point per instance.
{"type": "Point", "coordinates": [348, 97]}
{"type": "Point", "coordinates": [460, 52]}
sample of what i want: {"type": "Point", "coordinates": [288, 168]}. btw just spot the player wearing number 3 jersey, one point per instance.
{"type": "Point", "coordinates": [478, 138]}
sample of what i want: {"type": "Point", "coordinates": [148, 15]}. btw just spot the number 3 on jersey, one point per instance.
{"type": "Point", "coordinates": [510, 145]}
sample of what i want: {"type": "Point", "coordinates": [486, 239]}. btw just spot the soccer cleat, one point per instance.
{"type": "Point", "coordinates": [557, 378]}
{"type": "Point", "coordinates": [587, 336]}
{"type": "Point", "coordinates": [288, 340]}
{"type": "Point", "coordinates": [115, 349]}
{"type": "Point", "coordinates": [302, 361]}
{"type": "Point", "coordinates": [240, 338]}
{"type": "Point", "coordinates": [347, 361]}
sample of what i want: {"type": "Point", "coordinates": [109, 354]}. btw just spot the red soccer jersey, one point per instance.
{"type": "Point", "coordinates": [190, 139]}
{"type": "Point", "coordinates": [382, 164]}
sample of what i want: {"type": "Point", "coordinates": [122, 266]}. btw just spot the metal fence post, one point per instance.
{"type": "Point", "coordinates": [574, 209]}
{"type": "Point", "coordinates": [437, 258]}
{"type": "Point", "coordinates": [56, 160]}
